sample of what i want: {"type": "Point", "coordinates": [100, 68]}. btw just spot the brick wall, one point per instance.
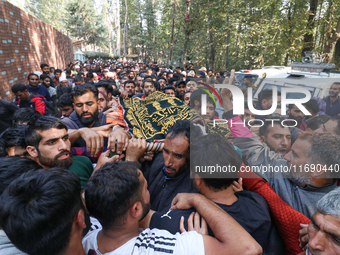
{"type": "Point", "coordinates": [25, 43]}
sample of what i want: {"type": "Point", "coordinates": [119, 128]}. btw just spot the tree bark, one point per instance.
{"type": "Point", "coordinates": [186, 32]}
{"type": "Point", "coordinates": [332, 39]}
{"type": "Point", "coordinates": [125, 30]}
{"type": "Point", "coordinates": [211, 44]}
{"type": "Point", "coordinates": [308, 37]}
{"type": "Point", "coordinates": [172, 32]}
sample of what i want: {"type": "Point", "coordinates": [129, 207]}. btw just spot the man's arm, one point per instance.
{"type": "Point", "coordinates": [231, 238]}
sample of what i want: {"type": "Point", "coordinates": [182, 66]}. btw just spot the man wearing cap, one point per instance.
{"type": "Point", "coordinates": [180, 89]}
{"type": "Point", "coordinates": [105, 72]}
{"type": "Point", "coordinates": [64, 86]}
{"type": "Point", "coordinates": [204, 70]}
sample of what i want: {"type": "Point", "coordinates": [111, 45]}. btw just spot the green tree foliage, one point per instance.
{"type": "Point", "coordinates": [83, 22]}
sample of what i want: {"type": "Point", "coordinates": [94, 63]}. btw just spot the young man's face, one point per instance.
{"type": "Point", "coordinates": [23, 96]}
{"type": "Point", "coordinates": [54, 149]}
{"type": "Point", "coordinates": [46, 70]}
{"type": "Point", "coordinates": [191, 86]}
{"type": "Point", "coordinates": [149, 88]}
{"type": "Point", "coordinates": [296, 114]}
{"type": "Point", "coordinates": [162, 83]}
{"type": "Point", "coordinates": [130, 89]}
{"type": "Point", "coordinates": [210, 111]}
{"type": "Point", "coordinates": [102, 103]}
{"type": "Point", "coordinates": [175, 154]}
{"type": "Point", "coordinates": [170, 92]}
{"type": "Point", "coordinates": [329, 126]}
{"type": "Point", "coordinates": [86, 107]}
{"type": "Point", "coordinates": [46, 82]}
{"type": "Point", "coordinates": [323, 232]}
{"type": "Point", "coordinates": [278, 139]}
{"type": "Point", "coordinates": [66, 110]}
{"type": "Point", "coordinates": [187, 98]}
{"type": "Point", "coordinates": [57, 76]}
{"type": "Point", "coordinates": [131, 75]}
{"type": "Point", "coordinates": [33, 81]}
{"type": "Point", "coordinates": [139, 80]}
{"type": "Point", "coordinates": [180, 88]}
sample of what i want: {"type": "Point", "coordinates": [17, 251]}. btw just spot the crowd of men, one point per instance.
{"type": "Point", "coordinates": [75, 178]}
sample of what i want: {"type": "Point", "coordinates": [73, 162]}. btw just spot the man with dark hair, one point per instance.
{"type": "Point", "coordinates": [46, 81]}
{"type": "Point", "coordinates": [65, 104]}
{"type": "Point", "coordinates": [7, 109]}
{"type": "Point", "coordinates": [266, 101]}
{"type": "Point", "coordinates": [162, 83]}
{"type": "Point", "coordinates": [298, 188]}
{"type": "Point", "coordinates": [333, 101]}
{"type": "Point", "coordinates": [196, 104]}
{"type": "Point", "coordinates": [87, 125]}
{"type": "Point", "coordinates": [296, 114]}
{"type": "Point", "coordinates": [24, 116]}
{"type": "Point", "coordinates": [149, 87]}
{"type": "Point", "coordinates": [317, 122]}
{"type": "Point", "coordinates": [129, 87]}
{"type": "Point", "coordinates": [49, 145]}
{"type": "Point", "coordinates": [34, 87]}
{"type": "Point", "coordinates": [78, 80]}
{"type": "Point", "coordinates": [29, 100]}
{"type": "Point", "coordinates": [12, 141]}
{"type": "Point", "coordinates": [170, 91]}
{"type": "Point", "coordinates": [90, 77]}
{"type": "Point", "coordinates": [332, 126]}
{"type": "Point", "coordinates": [45, 68]}
{"type": "Point", "coordinates": [47, 217]}
{"type": "Point", "coordinates": [10, 169]}
{"type": "Point", "coordinates": [180, 89]}
{"type": "Point", "coordinates": [131, 75]}
{"type": "Point", "coordinates": [211, 150]}
{"type": "Point", "coordinates": [277, 137]}
{"type": "Point", "coordinates": [313, 107]}
{"type": "Point", "coordinates": [57, 75]}
{"type": "Point", "coordinates": [121, 208]}
{"type": "Point", "coordinates": [168, 174]}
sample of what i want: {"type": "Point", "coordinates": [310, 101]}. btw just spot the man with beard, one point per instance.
{"type": "Point", "coordinates": [45, 68]}
{"type": "Point", "coordinates": [296, 114]}
{"type": "Point", "coordinates": [129, 87]}
{"type": "Point", "coordinates": [131, 75]}
{"type": "Point", "coordinates": [180, 89]}
{"type": "Point", "coordinates": [149, 87]}
{"type": "Point", "coordinates": [162, 83]}
{"type": "Point", "coordinates": [49, 145]}
{"type": "Point", "coordinates": [333, 101]}
{"type": "Point", "coordinates": [277, 137]}
{"type": "Point", "coordinates": [87, 125]}
{"type": "Point", "coordinates": [168, 174]}
{"type": "Point", "coordinates": [291, 180]}
{"type": "Point", "coordinates": [120, 209]}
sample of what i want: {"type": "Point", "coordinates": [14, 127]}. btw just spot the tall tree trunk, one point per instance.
{"type": "Point", "coordinates": [332, 39]}
{"type": "Point", "coordinates": [337, 55]}
{"type": "Point", "coordinates": [172, 33]}
{"type": "Point", "coordinates": [308, 37]}
{"type": "Point", "coordinates": [117, 24]}
{"type": "Point", "coordinates": [211, 43]}
{"type": "Point", "coordinates": [125, 30]}
{"type": "Point", "coordinates": [227, 40]}
{"type": "Point", "coordinates": [186, 31]}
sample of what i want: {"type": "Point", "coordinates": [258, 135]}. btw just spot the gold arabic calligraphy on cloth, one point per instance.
{"type": "Point", "coordinates": [153, 116]}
